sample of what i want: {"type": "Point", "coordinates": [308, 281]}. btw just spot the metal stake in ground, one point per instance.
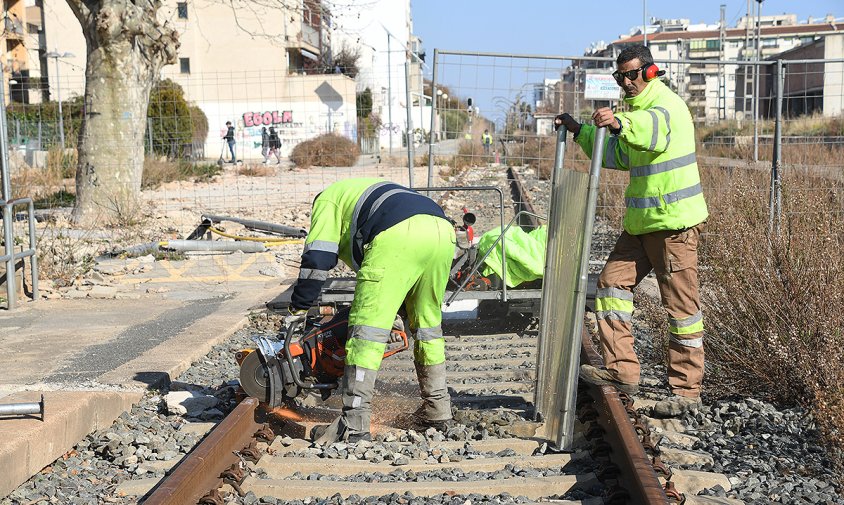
{"type": "Point", "coordinates": [23, 409]}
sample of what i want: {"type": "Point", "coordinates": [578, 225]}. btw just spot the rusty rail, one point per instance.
{"type": "Point", "coordinates": [203, 469]}
{"type": "Point", "coordinates": [521, 201]}
{"type": "Point", "coordinates": [637, 474]}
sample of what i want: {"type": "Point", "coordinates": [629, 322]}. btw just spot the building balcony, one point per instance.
{"type": "Point", "coordinates": [13, 29]}
{"type": "Point", "coordinates": [306, 40]}
{"type": "Point", "coordinates": [708, 54]}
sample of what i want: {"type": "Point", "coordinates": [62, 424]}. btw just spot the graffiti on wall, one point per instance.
{"type": "Point", "coordinates": [267, 118]}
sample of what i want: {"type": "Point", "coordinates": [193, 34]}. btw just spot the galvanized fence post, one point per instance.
{"type": "Point", "coordinates": [572, 356]}
{"type": "Point", "coordinates": [775, 197]}
{"type": "Point", "coordinates": [550, 289]}
{"type": "Point", "coordinates": [149, 134]}
{"type": "Point", "coordinates": [8, 223]}
{"type": "Point", "coordinates": [433, 132]}
{"type": "Point", "coordinates": [409, 133]}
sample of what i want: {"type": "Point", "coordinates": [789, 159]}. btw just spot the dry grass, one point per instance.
{"type": "Point", "coordinates": [535, 152]}
{"type": "Point", "coordinates": [327, 150]}
{"type": "Point", "coordinates": [814, 125]}
{"type": "Point", "coordinates": [51, 186]}
{"type": "Point", "coordinates": [469, 154]}
{"type": "Point", "coordinates": [158, 171]}
{"type": "Point", "coordinates": [774, 304]}
{"type": "Point", "coordinates": [256, 171]}
{"type": "Point", "coordinates": [61, 258]}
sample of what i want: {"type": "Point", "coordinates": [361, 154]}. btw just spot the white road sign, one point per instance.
{"type": "Point", "coordinates": [601, 87]}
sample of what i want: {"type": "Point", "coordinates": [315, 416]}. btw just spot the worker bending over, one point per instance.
{"type": "Point", "coordinates": [401, 245]}
{"type": "Point", "coordinates": [655, 142]}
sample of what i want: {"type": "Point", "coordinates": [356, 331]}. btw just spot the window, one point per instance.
{"type": "Point", "coordinates": [184, 65]}
{"type": "Point", "coordinates": [660, 47]}
{"type": "Point", "coordinates": [713, 44]}
{"type": "Point", "coordinates": [182, 9]}
{"type": "Point", "coordinates": [769, 42]}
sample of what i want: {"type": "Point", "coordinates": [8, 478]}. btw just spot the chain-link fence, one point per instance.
{"type": "Point", "coordinates": [767, 121]}
{"type": "Point", "coordinates": [490, 110]}
{"type": "Point", "coordinates": [251, 145]}
{"type": "Point", "coordinates": [769, 137]}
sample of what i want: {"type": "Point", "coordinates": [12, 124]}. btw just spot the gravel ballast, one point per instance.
{"type": "Point", "coordinates": [770, 455]}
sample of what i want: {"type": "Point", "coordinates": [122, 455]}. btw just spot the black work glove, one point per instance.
{"type": "Point", "coordinates": [568, 122]}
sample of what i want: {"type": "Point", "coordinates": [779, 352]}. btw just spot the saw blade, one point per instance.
{"type": "Point", "coordinates": [253, 377]}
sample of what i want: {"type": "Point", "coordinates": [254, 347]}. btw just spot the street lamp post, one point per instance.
{"type": "Point", "coordinates": [57, 56]}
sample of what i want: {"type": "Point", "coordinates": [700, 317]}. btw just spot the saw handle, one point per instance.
{"type": "Point", "coordinates": [401, 348]}
{"type": "Point", "coordinates": [298, 380]}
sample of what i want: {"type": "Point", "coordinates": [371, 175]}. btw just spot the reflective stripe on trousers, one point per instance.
{"type": "Point", "coordinates": [614, 303]}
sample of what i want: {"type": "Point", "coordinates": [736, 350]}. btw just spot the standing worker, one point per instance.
{"type": "Point", "coordinates": [655, 142]}
{"type": "Point", "coordinates": [486, 140]}
{"type": "Point", "coordinates": [401, 245]}
{"type": "Point", "coordinates": [229, 138]}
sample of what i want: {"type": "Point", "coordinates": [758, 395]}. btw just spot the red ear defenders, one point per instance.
{"type": "Point", "coordinates": [651, 72]}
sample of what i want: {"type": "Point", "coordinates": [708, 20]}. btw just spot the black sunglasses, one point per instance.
{"type": "Point", "coordinates": [631, 75]}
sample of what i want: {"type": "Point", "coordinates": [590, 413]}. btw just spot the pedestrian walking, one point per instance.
{"type": "Point", "coordinates": [275, 144]}
{"type": "Point", "coordinates": [265, 144]}
{"type": "Point", "coordinates": [229, 138]}
{"type": "Point", "coordinates": [655, 141]}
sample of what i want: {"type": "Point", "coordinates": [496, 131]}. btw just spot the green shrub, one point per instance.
{"type": "Point", "coordinates": [174, 122]}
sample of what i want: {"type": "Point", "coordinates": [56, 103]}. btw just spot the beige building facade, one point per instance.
{"type": "Point", "coordinates": [256, 64]}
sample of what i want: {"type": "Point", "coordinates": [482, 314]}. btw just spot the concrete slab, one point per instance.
{"type": "Point", "coordinates": [30, 444]}
{"type": "Point", "coordinates": [93, 358]}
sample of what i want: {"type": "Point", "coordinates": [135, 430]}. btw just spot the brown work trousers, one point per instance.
{"type": "Point", "coordinates": [673, 257]}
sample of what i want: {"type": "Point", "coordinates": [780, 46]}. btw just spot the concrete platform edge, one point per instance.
{"type": "Point", "coordinates": [29, 445]}
{"type": "Point", "coordinates": [156, 367]}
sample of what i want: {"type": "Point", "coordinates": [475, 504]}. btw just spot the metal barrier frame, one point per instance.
{"type": "Point", "coordinates": [8, 204]}
{"type": "Point", "coordinates": [558, 410]}
{"type": "Point", "coordinates": [10, 256]}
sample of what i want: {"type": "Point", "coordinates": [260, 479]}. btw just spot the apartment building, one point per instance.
{"type": "Point", "coordinates": [715, 92]}
{"type": "Point", "coordinates": [23, 55]}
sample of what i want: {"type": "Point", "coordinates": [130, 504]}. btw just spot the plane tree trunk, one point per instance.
{"type": "Point", "coordinates": [126, 46]}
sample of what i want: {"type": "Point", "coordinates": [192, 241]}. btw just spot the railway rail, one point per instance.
{"type": "Point", "coordinates": [493, 451]}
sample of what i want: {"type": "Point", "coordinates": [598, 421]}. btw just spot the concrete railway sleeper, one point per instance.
{"type": "Point", "coordinates": [491, 454]}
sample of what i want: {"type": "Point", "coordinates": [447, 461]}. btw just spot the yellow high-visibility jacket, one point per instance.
{"type": "Point", "coordinates": [656, 145]}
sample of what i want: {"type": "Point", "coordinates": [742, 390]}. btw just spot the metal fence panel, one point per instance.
{"type": "Point", "coordinates": [565, 235]}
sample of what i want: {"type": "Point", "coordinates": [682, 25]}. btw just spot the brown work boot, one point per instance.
{"type": "Point", "coordinates": [676, 405]}
{"type": "Point", "coordinates": [603, 377]}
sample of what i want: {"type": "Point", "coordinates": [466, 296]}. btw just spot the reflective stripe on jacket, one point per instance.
{"type": "Point", "coordinates": [656, 145]}
{"type": "Point", "coordinates": [345, 217]}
